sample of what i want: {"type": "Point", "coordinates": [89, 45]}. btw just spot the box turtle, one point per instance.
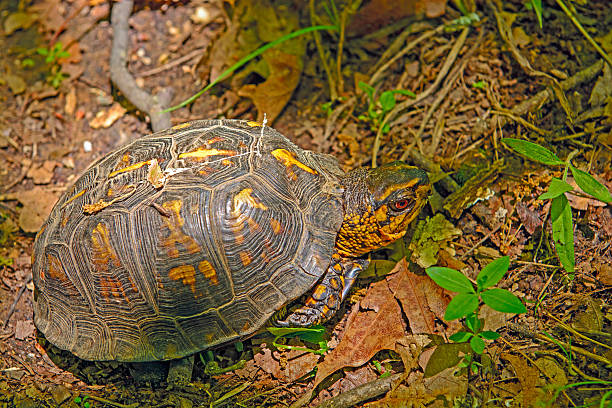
{"type": "Point", "coordinates": [197, 235]}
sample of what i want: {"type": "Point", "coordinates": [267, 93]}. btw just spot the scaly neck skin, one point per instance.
{"type": "Point", "coordinates": [369, 222]}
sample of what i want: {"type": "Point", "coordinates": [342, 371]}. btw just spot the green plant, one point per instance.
{"type": "Point", "coordinates": [379, 108]}
{"type": "Point", "coordinates": [536, 6]}
{"type": "Point", "coordinates": [467, 301]}
{"type": "Point", "coordinates": [314, 334]}
{"type": "Point", "coordinates": [82, 402]}
{"type": "Point", "coordinates": [560, 210]}
{"type": "Point", "coordinates": [52, 56]}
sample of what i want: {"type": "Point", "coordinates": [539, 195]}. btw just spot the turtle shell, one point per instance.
{"type": "Point", "coordinates": [183, 240]}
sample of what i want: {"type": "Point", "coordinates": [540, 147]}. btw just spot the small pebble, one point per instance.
{"type": "Point", "coordinates": [87, 146]}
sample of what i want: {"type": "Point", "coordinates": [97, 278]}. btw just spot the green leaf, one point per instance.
{"type": "Point", "coordinates": [460, 337]}
{"type": "Point", "coordinates": [473, 323]}
{"type": "Point", "coordinates": [556, 188]}
{"type": "Point", "coordinates": [533, 151]}
{"type": "Point", "coordinates": [461, 305]}
{"type": "Point", "coordinates": [42, 51]}
{"type": "Point", "coordinates": [368, 89]}
{"type": "Point", "coordinates": [489, 335]}
{"type": "Point", "coordinates": [477, 344]}
{"type": "Point", "coordinates": [450, 279]}
{"type": "Point", "coordinates": [493, 272]}
{"type": "Point", "coordinates": [589, 185]}
{"type": "Point", "coordinates": [563, 231]}
{"type": "Point", "coordinates": [502, 301]}
{"type": "Point", "coordinates": [387, 101]}
{"type": "Point", "coordinates": [537, 7]}
{"type": "Point", "coordinates": [479, 85]}
{"type": "Point", "coordinates": [404, 92]}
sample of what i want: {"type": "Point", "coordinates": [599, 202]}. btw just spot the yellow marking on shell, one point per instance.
{"type": "Point", "coordinates": [203, 153]}
{"type": "Point", "coordinates": [110, 286]}
{"type": "Point", "coordinates": [74, 197]}
{"type": "Point", "coordinates": [54, 268]}
{"type": "Point", "coordinates": [245, 258]}
{"type": "Point", "coordinates": [181, 126]}
{"type": "Point", "coordinates": [319, 292]}
{"type": "Point", "coordinates": [253, 225]}
{"type": "Point", "coordinates": [174, 224]}
{"type": "Point", "coordinates": [126, 169]}
{"type": "Point", "coordinates": [253, 124]}
{"type": "Point", "coordinates": [226, 162]}
{"type": "Point", "coordinates": [102, 250]}
{"type": "Point", "coordinates": [338, 268]}
{"type": "Point", "coordinates": [208, 271]}
{"type": "Point", "coordinates": [186, 273]}
{"type": "Point", "coordinates": [277, 228]}
{"type": "Point", "coordinates": [288, 159]}
{"type": "Point", "coordinates": [215, 140]}
{"type": "Point", "coordinates": [396, 187]}
{"type": "Point", "coordinates": [245, 197]}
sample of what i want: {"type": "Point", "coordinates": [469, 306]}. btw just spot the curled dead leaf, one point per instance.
{"type": "Point", "coordinates": [105, 118]}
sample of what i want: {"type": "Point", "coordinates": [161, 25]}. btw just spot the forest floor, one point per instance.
{"type": "Point", "coordinates": [474, 82]}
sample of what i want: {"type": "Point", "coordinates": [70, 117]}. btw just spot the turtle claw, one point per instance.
{"type": "Point", "coordinates": [302, 317]}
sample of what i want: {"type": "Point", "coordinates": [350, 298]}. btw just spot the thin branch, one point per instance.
{"type": "Point", "coordinates": [153, 106]}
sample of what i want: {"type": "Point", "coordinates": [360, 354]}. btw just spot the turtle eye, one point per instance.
{"type": "Point", "coordinates": [401, 205]}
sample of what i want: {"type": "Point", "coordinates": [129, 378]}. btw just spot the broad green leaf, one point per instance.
{"type": "Point", "coordinates": [556, 188]}
{"type": "Point", "coordinates": [460, 337]}
{"type": "Point", "coordinates": [493, 272]}
{"type": "Point", "coordinates": [589, 185]}
{"type": "Point", "coordinates": [563, 231]}
{"type": "Point", "coordinates": [533, 151]}
{"type": "Point", "coordinates": [502, 301]}
{"type": "Point", "coordinates": [477, 344]}
{"type": "Point", "coordinates": [461, 305]}
{"type": "Point", "coordinates": [489, 335]}
{"type": "Point", "coordinates": [387, 101]}
{"type": "Point", "coordinates": [450, 279]}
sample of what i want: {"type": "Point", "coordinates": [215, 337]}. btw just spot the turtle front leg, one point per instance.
{"type": "Point", "coordinates": [327, 296]}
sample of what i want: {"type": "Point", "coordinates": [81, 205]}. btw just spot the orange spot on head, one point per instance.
{"type": "Point", "coordinates": [208, 271]}
{"type": "Point", "coordinates": [186, 273]}
{"type": "Point", "coordinates": [288, 159]}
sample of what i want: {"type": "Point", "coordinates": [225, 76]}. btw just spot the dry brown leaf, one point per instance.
{"type": "Point", "coordinates": [24, 329]}
{"type": "Point", "coordinates": [70, 105]}
{"type": "Point", "coordinates": [286, 366]}
{"type": "Point", "coordinates": [378, 13]}
{"type": "Point", "coordinates": [105, 118]}
{"type": "Point", "coordinates": [377, 327]}
{"type": "Point", "coordinates": [271, 96]}
{"type": "Point", "coordinates": [422, 300]}
{"type": "Point", "coordinates": [529, 217]}
{"type": "Point", "coordinates": [431, 392]}
{"type": "Point", "coordinates": [529, 378]}
{"type": "Point", "coordinates": [43, 173]}
{"type": "Point", "coordinates": [37, 204]}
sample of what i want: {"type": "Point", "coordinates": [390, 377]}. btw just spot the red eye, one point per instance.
{"type": "Point", "coordinates": [400, 205]}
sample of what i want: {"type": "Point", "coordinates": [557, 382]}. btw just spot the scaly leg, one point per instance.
{"type": "Point", "coordinates": [327, 296]}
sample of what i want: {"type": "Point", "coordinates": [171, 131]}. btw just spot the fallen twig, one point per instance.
{"type": "Point", "coordinates": [151, 105]}
{"type": "Point", "coordinates": [195, 53]}
{"type": "Point", "coordinates": [14, 305]}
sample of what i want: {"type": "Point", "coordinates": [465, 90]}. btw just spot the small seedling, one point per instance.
{"type": "Point", "coordinates": [378, 109]}
{"type": "Point", "coordinates": [467, 302]}
{"type": "Point", "coordinates": [82, 402]}
{"type": "Point", "coordinates": [560, 210]}
{"type": "Point", "coordinates": [52, 56]}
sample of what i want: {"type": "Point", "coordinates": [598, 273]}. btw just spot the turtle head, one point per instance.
{"type": "Point", "coordinates": [379, 204]}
